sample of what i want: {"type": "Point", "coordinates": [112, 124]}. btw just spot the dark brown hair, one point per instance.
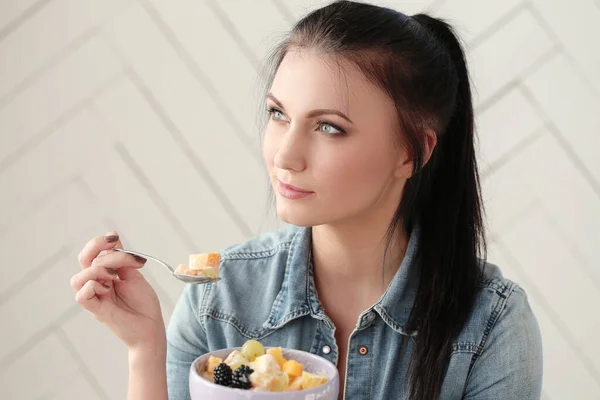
{"type": "Point", "coordinates": [419, 62]}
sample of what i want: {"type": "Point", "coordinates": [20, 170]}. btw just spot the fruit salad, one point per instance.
{"type": "Point", "coordinates": [206, 264]}
{"type": "Point", "coordinates": [254, 368]}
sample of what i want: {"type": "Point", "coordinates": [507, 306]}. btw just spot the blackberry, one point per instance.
{"type": "Point", "coordinates": [241, 377]}
{"type": "Point", "coordinates": [223, 374]}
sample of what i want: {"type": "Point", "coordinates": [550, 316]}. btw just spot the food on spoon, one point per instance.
{"type": "Point", "coordinates": [204, 264]}
{"type": "Point", "coordinates": [204, 260]}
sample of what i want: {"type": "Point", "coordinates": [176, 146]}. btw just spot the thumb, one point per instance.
{"type": "Point", "coordinates": [129, 274]}
{"type": "Point", "coordinates": [125, 273]}
{"type": "Point", "coordinates": [118, 243]}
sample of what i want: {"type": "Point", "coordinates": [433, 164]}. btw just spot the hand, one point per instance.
{"type": "Point", "coordinates": [117, 294]}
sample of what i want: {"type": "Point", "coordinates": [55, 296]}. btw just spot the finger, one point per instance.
{"type": "Point", "coordinates": [118, 243]}
{"type": "Point", "coordinates": [94, 273]}
{"type": "Point", "coordinates": [87, 296]}
{"type": "Point", "coordinates": [129, 274]}
{"type": "Point", "coordinates": [117, 259]}
{"type": "Point", "coordinates": [95, 246]}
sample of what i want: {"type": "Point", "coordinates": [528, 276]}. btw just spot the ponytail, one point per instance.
{"type": "Point", "coordinates": [445, 199]}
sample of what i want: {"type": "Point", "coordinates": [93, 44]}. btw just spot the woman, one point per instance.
{"type": "Point", "coordinates": [369, 147]}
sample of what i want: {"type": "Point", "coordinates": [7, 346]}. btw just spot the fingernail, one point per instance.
{"type": "Point", "coordinates": [140, 259]}
{"type": "Point", "coordinates": [111, 238]}
{"type": "Point", "coordinates": [106, 286]}
{"type": "Point", "coordinates": [112, 271]}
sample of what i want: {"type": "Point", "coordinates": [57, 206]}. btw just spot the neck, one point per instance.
{"type": "Point", "coordinates": [350, 255]}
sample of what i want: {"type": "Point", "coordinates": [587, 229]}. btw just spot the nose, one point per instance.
{"type": "Point", "coordinates": [290, 154]}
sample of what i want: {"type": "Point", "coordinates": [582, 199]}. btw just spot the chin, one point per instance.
{"type": "Point", "coordinates": [298, 216]}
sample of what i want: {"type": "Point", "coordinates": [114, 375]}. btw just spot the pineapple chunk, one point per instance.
{"type": "Point", "coordinates": [295, 384]}
{"type": "Point", "coordinates": [276, 382]}
{"type": "Point", "coordinates": [212, 363]}
{"type": "Point", "coordinates": [277, 353]}
{"type": "Point", "coordinates": [293, 368]}
{"type": "Point", "coordinates": [265, 364]}
{"type": "Point", "coordinates": [235, 359]}
{"type": "Point", "coordinates": [310, 381]}
{"type": "Point", "coordinates": [282, 380]}
{"type": "Point", "coordinates": [209, 271]}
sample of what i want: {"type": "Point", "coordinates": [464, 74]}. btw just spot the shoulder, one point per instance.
{"type": "Point", "coordinates": [250, 262]}
{"type": "Point", "coordinates": [501, 309]}
{"type": "Point", "coordinates": [494, 287]}
{"type": "Point", "coordinates": [507, 360]}
{"type": "Point", "coordinates": [505, 295]}
{"type": "Point", "coordinates": [261, 246]}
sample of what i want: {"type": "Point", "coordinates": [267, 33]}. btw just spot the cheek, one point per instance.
{"type": "Point", "coordinates": [358, 172]}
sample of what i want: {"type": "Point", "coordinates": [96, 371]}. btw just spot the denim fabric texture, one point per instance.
{"type": "Point", "coordinates": [267, 292]}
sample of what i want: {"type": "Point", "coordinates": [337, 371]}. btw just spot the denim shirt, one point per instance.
{"type": "Point", "coordinates": [267, 292]}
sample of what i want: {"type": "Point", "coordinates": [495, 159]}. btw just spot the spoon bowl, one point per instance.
{"type": "Point", "coordinates": [182, 277]}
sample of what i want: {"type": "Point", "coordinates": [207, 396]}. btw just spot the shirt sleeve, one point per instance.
{"type": "Point", "coordinates": [510, 366]}
{"type": "Point", "coordinates": [186, 341]}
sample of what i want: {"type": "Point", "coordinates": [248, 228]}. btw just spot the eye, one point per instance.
{"type": "Point", "coordinates": [330, 129]}
{"type": "Point", "coordinates": [277, 114]}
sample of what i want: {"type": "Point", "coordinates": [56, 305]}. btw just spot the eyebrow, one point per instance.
{"type": "Point", "coordinates": [313, 113]}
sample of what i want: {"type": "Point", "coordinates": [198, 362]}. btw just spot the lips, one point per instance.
{"type": "Point", "coordinates": [292, 192]}
{"type": "Point", "coordinates": [294, 188]}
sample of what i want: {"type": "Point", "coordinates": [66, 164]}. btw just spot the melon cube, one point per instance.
{"type": "Point", "coordinates": [212, 363]}
{"type": "Point", "coordinates": [199, 261]}
{"type": "Point", "coordinates": [293, 368]}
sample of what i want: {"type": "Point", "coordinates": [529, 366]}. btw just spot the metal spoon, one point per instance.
{"type": "Point", "coordinates": [182, 277]}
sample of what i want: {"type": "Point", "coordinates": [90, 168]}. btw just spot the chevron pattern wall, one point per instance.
{"type": "Point", "coordinates": [140, 116]}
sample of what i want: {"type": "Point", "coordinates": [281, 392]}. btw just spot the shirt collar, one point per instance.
{"type": "Point", "coordinates": [298, 297]}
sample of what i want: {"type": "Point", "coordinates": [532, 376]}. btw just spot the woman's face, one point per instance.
{"type": "Point", "coordinates": [330, 145]}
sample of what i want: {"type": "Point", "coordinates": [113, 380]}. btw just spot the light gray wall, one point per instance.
{"type": "Point", "coordinates": [140, 116]}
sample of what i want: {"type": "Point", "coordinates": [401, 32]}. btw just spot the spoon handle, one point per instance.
{"type": "Point", "coordinates": [136, 253]}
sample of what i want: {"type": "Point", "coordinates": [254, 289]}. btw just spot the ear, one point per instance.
{"type": "Point", "coordinates": [406, 165]}
{"type": "Point", "coordinates": [430, 143]}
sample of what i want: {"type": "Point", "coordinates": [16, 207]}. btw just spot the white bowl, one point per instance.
{"type": "Point", "coordinates": [202, 389]}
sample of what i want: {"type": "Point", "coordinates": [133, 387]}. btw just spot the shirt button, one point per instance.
{"type": "Point", "coordinates": [370, 316]}
{"type": "Point", "coordinates": [363, 350]}
{"type": "Point", "coordinates": [326, 349]}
